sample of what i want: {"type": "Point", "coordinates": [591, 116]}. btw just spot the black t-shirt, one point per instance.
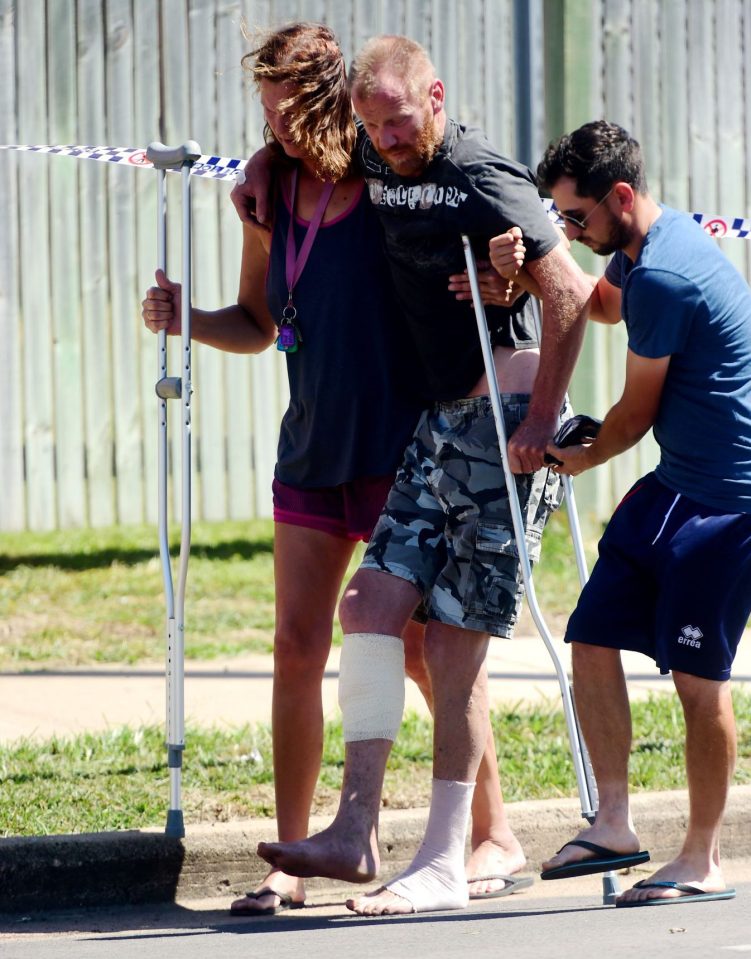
{"type": "Point", "coordinates": [469, 188]}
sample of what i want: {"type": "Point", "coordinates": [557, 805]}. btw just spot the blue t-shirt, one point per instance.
{"type": "Point", "coordinates": [684, 299]}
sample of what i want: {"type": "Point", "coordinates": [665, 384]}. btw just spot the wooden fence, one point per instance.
{"type": "Point", "coordinates": [78, 239]}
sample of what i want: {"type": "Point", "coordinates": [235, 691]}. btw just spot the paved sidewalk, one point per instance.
{"type": "Point", "coordinates": [237, 691]}
{"type": "Point", "coordinates": [145, 866]}
{"type": "Point", "coordinates": [137, 866]}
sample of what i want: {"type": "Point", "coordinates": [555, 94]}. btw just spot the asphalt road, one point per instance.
{"type": "Point", "coordinates": [560, 920]}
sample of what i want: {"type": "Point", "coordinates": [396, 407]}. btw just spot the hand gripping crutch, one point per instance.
{"type": "Point", "coordinates": [180, 388]}
{"type": "Point", "coordinates": [582, 767]}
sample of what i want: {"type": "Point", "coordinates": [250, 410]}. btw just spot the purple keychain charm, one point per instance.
{"type": "Point", "coordinates": [289, 338]}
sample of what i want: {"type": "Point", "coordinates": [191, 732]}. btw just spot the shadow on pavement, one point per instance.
{"type": "Point", "coordinates": [174, 920]}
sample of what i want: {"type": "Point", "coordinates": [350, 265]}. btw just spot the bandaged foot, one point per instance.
{"type": "Point", "coordinates": [435, 879]}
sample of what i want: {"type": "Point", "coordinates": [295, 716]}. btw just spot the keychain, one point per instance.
{"type": "Point", "coordinates": [289, 338]}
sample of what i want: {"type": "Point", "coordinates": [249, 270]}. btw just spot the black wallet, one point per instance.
{"type": "Point", "coordinates": [579, 429]}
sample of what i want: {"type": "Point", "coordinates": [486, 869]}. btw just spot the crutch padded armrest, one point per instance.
{"type": "Point", "coordinates": [576, 430]}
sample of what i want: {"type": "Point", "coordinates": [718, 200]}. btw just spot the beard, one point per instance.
{"type": "Point", "coordinates": [619, 236]}
{"type": "Point", "coordinates": [411, 160]}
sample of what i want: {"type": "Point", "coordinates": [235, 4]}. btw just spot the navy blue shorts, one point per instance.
{"type": "Point", "coordinates": [673, 581]}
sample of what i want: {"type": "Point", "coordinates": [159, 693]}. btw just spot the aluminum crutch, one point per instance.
{"type": "Point", "coordinates": [180, 388]}
{"type": "Point", "coordinates": [582, 768]}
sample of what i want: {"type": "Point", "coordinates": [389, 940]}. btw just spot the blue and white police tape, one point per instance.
{"type": "Point", "coordinates": [225, 168]}
{"type": "Point", "coordinates": [214, 167]}
{"type": "Point", "coordinates": [717, 226]}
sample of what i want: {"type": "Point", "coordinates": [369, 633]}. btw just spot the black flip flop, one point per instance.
{"type": "Point", "coordinates": [603, 861]}
{"type": "Point", "coordinates": [693, 894]}
{"type": "Point", "coordinates": [285, 902]}
{"type": "Point", "coordinates": [512, 885]}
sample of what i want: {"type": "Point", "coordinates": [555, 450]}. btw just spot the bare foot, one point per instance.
{"type": "Point", "coordinates": [333, 853]}
{"type": "Point", "coordinates": [622, 840]}
{"type": "Point", "coordinates": [380, 902]}
{"type": "Point", "coordinates": [275, 890]}
{"type": "Point", "coordinates": [491, 858]}
{"type": "Point", "coordinates": [681, 871]}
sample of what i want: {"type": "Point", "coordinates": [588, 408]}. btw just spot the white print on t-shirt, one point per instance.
{"type": "Point", "coordinates": [691, 636]}
{"type": "Point", "coordinates": [421, 196]}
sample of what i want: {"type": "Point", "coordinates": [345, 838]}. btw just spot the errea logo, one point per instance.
{"type": "Point", "coordinates": [691, 636]}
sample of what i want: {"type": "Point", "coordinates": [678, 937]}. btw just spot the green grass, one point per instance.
{"type": "Point", "coordinates": [82, 597]}
{"type": "Point", "coordinates": [95, 596]}
{"type": "Point", "coordinates": [119, 779]}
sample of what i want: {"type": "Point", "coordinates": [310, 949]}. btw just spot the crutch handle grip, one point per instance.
{"type": "Point", "coordinates": [167, 158]}
{"type": "Point", "coordinates": [169, 388]}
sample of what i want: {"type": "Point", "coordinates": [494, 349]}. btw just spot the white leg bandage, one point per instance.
{"type": "Point", "coordinates": [435, 879]}
{"type": "Point", "coordinates": [371, 686]}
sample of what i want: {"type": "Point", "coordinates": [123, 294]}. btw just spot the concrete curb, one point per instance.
{"type": "Point", "coordinates": [97, 869]}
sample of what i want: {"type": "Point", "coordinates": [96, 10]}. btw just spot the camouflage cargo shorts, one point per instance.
{"type": "Point", "coordinates": [446, 526]}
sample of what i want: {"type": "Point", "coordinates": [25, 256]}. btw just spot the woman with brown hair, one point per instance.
{"type": "Point", "coordinates": [319, 284]}
{"type": "Point", "coordinates": [316, 284]}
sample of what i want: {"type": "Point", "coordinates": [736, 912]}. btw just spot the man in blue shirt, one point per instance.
{"type": "Point", "coordinates": [674, 575]}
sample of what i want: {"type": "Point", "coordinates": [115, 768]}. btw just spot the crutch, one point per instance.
{"type": "Point", "coordinates": [582, 767]}
{"type": "Point", "coordinates": [180, 159]}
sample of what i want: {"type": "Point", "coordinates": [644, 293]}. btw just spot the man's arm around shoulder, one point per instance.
{"type": "Point", "coordinates": [251, 194]}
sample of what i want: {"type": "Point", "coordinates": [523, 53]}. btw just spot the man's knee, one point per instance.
{"type": "Point", "coordinates": [377, 602]}
{"type": "Point", "coordinates": [353, 606]}
{"type": "Point", "coordinates": [587, 659]}
{"type": "Point", "coordinates": [455, 657]}
{"type": "Point", "coordinates": [699, 694]}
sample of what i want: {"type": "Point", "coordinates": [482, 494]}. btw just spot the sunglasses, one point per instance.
{"type": "Point", "coordinates": [582, 224]}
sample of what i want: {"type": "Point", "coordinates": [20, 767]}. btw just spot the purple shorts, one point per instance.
{"type": "Point", "coordinates": [673, 581]}
{"type": "Point", "coordinates": [349, 510]}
